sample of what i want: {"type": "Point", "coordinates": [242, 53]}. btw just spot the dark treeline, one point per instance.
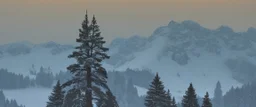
{"type": "Point", "coordinates": [7, 103]}
{"type": "Point", "coordinates": [158, 96]}
{"type": "Point", "coordinates": [9, 80]}
{"type": "Point", "coordinates": [136, 74]}
{"type": "Point", "coordinates": [45, 78]}
{"type": "Point", "coordinates": [241, 97]}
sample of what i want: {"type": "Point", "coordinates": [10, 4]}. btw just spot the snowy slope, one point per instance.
{"type": "Point", "coordinates": [203, 72]}
{"type": "Point", "coordinates": [187, 52]}
{"type": "Point", "coordinates": [39, 55]}
{"type": "Point", "coordinates": [33, 97]}
{"type": "Point", "coordinates": [141, 91]}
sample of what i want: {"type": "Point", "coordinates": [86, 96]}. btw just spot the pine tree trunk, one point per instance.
{"type": "Point", "coordinates": [89, 88]}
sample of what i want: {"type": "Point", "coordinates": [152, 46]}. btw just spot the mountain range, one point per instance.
{"type": "Point", "coordinates": [182, 53]}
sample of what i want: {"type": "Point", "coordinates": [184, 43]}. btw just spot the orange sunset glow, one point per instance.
{"type": "Point", "coordinates": [116, 17]}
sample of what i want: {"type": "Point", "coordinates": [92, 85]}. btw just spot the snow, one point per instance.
{"type": "Point", "coordinates": [141, 91]}
{"type": "Point", "coordinates": [30, 97]}
{"type": "Point", "coordinates": [145, 57]}
{"type": "Point", "coordinates": [203, 72]}
{"type": "Point", "coordinates": [39, 57]}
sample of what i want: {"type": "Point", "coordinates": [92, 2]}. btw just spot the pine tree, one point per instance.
{"type": "Point", "coordinates": [106, 100]}
{"type": "Point", "coordinates": [190, 99]}
{"type": "Point", "coordinates": [88, 73]}
{"type": "Point", "coordinates": [169, 102]}
{"type": "Point", "coordinates": [70, 98]}
{"type": "Point", "coordinates": [218, 99]}
{"type": "Point", "coordinates": [110, 100]}
{"type": "Point", "coordinates": [156, 94]}
{"type": "Point", "coordinates": [57, 96]}
{"type": "Point", "coordinates": [174, 102]}
{"type": "Point", "coordinates": [2, 98]}
{"type": "Point", "coordinates": [207, 101]}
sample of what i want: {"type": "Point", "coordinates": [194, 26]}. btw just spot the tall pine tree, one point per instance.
{"type": "Point", "coordinates": [218, 98]}
{"type": "Point", "coordinates": [174, 102]}
{"type": "Point", "coordinates": [110, 100]}
{"type": "Point", "coordinates": [57, 96]}
{"type": "Point", "coordinates": [106, 100]}
{"type": "Point", "coordinates": [88, 73]}
{"type": "Point", "coordinates": [190, 99]}
{"type": "Point", "coordinates": [207, 101]}
{"type": "Point", "coordinates": [156, 95]}
{"type": "Point", "coordinates": [69, 99]}
{"type": "Point", "coordinates": [2, 98]}
{"type": "Point", "coordinates": [168, 99]}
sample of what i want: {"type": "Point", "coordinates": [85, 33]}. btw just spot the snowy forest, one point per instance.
{"type": "Point", "coordinates": [179, 65]}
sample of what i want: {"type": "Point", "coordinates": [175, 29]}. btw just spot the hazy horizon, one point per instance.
{"type": "Point", "coordinates": [44, 20]}
{"type": "Point", "coordinates": [211, 63]}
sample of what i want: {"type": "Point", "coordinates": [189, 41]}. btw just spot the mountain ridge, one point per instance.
{"type": "Point", "coordinates": [181, 52]}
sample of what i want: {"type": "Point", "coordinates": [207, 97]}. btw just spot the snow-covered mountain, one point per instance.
{"type": "Point", "coordinates": [187, 52]}
{"type": "Point", "coordinates": [181, 52]}
{"type": "Point", "coordinates": [23, 56]}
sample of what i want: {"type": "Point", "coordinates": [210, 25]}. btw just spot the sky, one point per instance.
{"type": "Point", "coordinates": [40, 21]}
